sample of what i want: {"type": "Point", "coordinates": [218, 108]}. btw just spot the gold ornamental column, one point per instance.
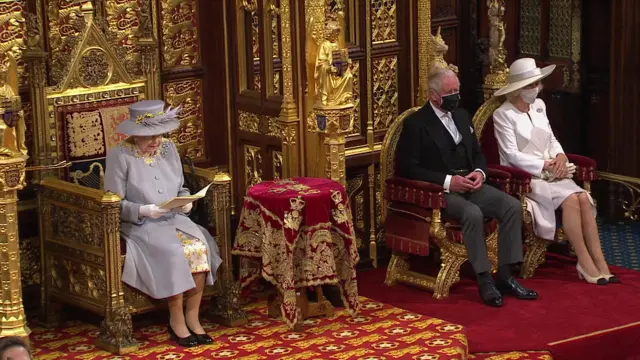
{"type": "Point", "coordinates": [335, 123]}
{"type": "Point", "coordinates": [12, 318]}
{"type": "Point", "coordinates": [499, 72]}
{"type": "Point", "coordinates": [333, 110]}
{"type": "Point", "coordinates": [424, 49]}
{"type": "Point", "coordinates": [289, 120]}
{"type": "Point", "coordinates": [13, 160]}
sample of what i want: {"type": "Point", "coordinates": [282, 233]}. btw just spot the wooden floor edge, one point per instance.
{"type": "Point", "coordinates": [594, 333]}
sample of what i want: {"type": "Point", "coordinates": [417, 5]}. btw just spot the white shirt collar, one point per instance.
{"type": "Point", "coordinates": [439, 113]}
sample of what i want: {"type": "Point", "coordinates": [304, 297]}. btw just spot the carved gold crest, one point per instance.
{"type": "Point", "coordinates": [12, 178]}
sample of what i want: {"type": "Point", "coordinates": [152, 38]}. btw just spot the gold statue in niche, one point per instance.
{"type": "Point", "coordinates": [12, 128]}
{"type": "Point", "coordinates": [438, 49]}
{"type": "Point", "coordinates": [497, 34]}
{"type": "Point", "coordinates": [333, 77]}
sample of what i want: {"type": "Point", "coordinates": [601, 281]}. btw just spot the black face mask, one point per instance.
{"type": "Point", "coordinates": [450, 102]}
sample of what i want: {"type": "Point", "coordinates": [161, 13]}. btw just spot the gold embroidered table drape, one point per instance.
{"type": "Point", "coordinates": [298, 233]}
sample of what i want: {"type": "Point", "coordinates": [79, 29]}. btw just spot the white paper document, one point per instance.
{"type": "Point", "coordinates": [180, 201]}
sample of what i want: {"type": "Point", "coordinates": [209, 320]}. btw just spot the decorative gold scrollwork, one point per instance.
{"type": "Point", "coordinates": [180, 37]}
{"type": "Point", "coordinates": [12, 34]}
{"type": "Point", "coordinates": [630, 206]}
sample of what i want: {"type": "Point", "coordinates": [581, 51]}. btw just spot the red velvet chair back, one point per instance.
{"type": "Point", "coordinates": [388, 163]}
{"type": "Point", "coordinates": [483, 123]}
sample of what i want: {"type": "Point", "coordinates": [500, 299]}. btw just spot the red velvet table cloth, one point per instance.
{"type": "Point", "coordinates": [298, 233]}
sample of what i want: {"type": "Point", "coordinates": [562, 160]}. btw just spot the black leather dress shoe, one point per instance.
{"type": "Point", "coordinates": [189, 341]}
{"type": "Point", "coordinates": [512, 287]}
{"type": "Point", "coordinates": [489, 294]}
{"type": "Point", "coordinates": [202, 339]}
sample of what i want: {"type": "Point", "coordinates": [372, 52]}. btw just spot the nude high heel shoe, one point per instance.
{"type": "Point", "coordinates": [591, 280]}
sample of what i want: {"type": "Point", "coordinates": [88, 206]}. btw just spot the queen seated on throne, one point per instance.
{"type": "Point", "coordinates": [167, 254]}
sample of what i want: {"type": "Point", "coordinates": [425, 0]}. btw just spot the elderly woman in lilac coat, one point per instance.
{"type": "Point", "coordinates": [167, 253]}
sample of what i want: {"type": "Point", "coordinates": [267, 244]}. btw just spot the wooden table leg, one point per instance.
{"type": "Point", "coordinates": [320, 307]}
{"type": "Point", "coordinates": [307, 309]}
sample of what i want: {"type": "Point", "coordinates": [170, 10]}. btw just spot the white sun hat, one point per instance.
{"type": "Point", "coordinates": [522, 73]}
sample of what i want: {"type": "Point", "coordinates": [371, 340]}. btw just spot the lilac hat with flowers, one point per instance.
{"type": "Point", "coordinates": [149, 118]}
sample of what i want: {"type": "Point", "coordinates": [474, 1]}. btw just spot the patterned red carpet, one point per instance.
{"type": "Point", "coordinates": [379, 332]}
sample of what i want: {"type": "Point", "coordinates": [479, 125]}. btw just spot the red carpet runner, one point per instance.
{"type": "Point", "coordinates": [565, 320]}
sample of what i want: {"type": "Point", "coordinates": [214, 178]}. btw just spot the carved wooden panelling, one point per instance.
{"type": "Point", "coordinates": [530, 27]}
{"type": "Point", "coordinates": [253, 165]}
{"type": "Point", "coordinates": [12, 33]}
{"type": "Point", "coordinates": [275, 48]}
{"type": "Point", "coordinates": [450, 37]}
{"type": "Point", "coordinates": [255, 30]}
{"type": "Point", "coordinates": [356, 192]}
{"type": "Point", "coordinates": [190, 136]}
{"type": "Point", "coordinates": [276, 158]}
{"type": "Point", "coordinates": [357, 127]}
{"type": "Point", "coordinates": [385, 91]}
{"type": "Point", "coordinates": [258, 124]}
{"type": "Point", "coordinates": [560, 28]}
{"type": "Point", "coordinates": [28, 122]}
{"type": "Point", "coordinates": [123, 17]}
{"type": "Point", "coordinates": [383, 20]}
{"type": "Point", "coordinates": [30, 261]}
{"type": "Point", "coordinates": [443, 9]}
{"type": "Point", "coordinates": [180, 35]}
{"type": "Point", "coordinates": [378, 199]}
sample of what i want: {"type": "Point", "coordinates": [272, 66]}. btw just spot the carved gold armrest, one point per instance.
{"type": "Point", "coordinates": [80, 225]}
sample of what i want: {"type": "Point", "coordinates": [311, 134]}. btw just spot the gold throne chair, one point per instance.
{"type": "Point", "coordinates": [82, 251]}
{"type": "Point", "coordinates": [414, 225]}
{"type": "Point", "coordinates": [536, 247]}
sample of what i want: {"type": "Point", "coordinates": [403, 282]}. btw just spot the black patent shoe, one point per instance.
{"type": "Point", "coordinates": [189, 341]}
{"type": "Point", "coordinates": [489, 294]}
{"type": "Point", "coordinates": [202, 339]}
{"type": "Point", "coordinates": [513, 288]}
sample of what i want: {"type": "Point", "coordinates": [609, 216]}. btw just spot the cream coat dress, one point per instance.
{"type": "Point", "coordinates": [525, 141]}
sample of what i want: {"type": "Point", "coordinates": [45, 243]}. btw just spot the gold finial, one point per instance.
{"type": "Point", "coordinates": [87, 9]}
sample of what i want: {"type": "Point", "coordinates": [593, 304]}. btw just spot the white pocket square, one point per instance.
{"type": "Point", "coordinates": [471, 129]}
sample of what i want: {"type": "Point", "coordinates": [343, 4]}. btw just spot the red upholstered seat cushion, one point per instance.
{"type": "Point", "coordinates": [407, 228]}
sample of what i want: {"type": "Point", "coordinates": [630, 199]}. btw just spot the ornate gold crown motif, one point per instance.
{"type": "Point", "coordinates": [297, 204]}
{"type": "Point", "coordinates": [336, 196]}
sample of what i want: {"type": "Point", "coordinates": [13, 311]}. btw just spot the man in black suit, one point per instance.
{"type": "Point", "coordinates": [439, 145]}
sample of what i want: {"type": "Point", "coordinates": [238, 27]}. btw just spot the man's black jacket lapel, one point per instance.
{"type": "Point", "coordinates": [437, 131]}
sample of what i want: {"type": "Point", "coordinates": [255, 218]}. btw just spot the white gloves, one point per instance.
{"type": "Point", "coordinates": [186, 208]}
{"type": "Point", "coordinates": [550, 177]}
{"type": "Point", "coordinates": [152, 211]}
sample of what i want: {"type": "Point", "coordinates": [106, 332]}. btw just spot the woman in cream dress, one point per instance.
{"type": "Point", "coordinates": [167, 253]}
{"type": "Point", "coordinates": [526, 141]}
